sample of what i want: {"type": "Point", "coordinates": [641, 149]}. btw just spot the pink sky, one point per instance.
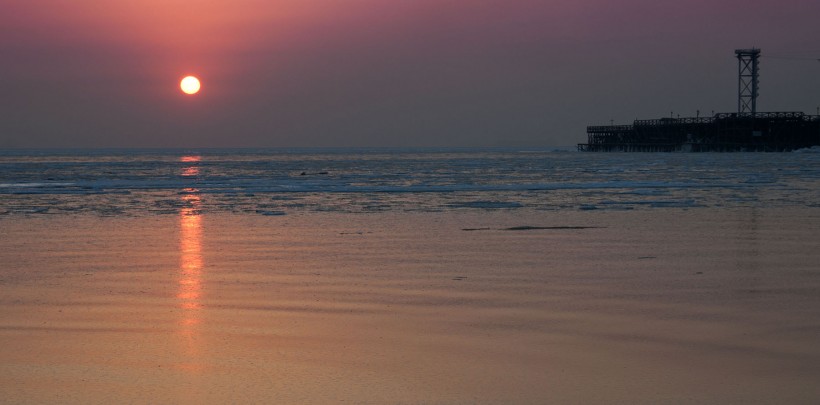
{"type": "Point", "coordinates": [383, 73]}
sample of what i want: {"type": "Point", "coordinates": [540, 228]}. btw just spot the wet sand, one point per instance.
{"type": "Point", "coordinates": [657, 306]}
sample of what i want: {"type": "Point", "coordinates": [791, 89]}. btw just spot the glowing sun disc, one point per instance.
{"type": "Point", "coordinates": [189, 85]}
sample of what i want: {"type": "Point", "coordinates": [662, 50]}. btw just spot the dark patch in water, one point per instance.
{"type": "Point", "coordinates": [489, 205]}
{"type": "Point", "coordinates": [531, 228]}
{"type": "Point", "coordinates": [270, 213]}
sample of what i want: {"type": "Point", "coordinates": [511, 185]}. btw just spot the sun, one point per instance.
{"type": "Point", "coordinates": [190, 85]}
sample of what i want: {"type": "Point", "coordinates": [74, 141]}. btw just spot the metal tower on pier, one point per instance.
{"type": "Point", "coordinates": [747, 80]}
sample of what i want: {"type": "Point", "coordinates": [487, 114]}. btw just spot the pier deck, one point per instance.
{"type": "Point", "coordinates": [723, 132]}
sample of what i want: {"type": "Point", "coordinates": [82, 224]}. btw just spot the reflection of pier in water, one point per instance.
{"type": "Point", "coordinates": [189, 290]}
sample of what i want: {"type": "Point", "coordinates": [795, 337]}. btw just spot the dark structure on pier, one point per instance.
{"type": "Point", "coordinates": [758, 132]}
{"type": "Point", "coordinates": [746, 130]}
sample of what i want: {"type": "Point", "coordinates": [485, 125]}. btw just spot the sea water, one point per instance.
{"type": "Point", "coordinates": [409, 276]}
{"type": "Point", "coordinates": [285, 182]}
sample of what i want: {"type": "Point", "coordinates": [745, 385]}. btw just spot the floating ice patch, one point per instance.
{"type": "Point", "coordinates": [813, 149]}
{"type": "Point", "coordinates": [33, 185]}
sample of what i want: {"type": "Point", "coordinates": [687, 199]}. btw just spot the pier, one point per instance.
{"type": "Point", "coordinates": [745, 131]}
{"type": "Point", "coordinates": [723, 132]}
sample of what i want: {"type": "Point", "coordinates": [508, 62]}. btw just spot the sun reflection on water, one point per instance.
{"type": "Point", "coordinates": [190, 249]}
{"type": "Point", "coordinates": [190, 171]}
{"type": "Point", "coordinates": [190, 288]}
{"type": "Point", "coordinates": [193, 169]}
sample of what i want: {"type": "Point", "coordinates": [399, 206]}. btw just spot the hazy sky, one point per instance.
{"type": "Point", "coordinates": [325, 73]}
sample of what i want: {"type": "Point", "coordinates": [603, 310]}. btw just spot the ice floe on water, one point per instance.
{"type": "Point", "coordinates": [277, 182]}
{"type": "Point", "coordinates": [813, 149]}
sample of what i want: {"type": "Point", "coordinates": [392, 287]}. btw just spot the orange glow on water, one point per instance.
{"type": "Point", "coordinates": [190, 288]}
{"type": "Point", "coordinates": [193, 170]}
{"type": "Point", "coordinates": [190, 248]}
{"type": "Point", "coordinates": [190, 159]}
{"type": "Point", "coordinates": [190, 171]}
